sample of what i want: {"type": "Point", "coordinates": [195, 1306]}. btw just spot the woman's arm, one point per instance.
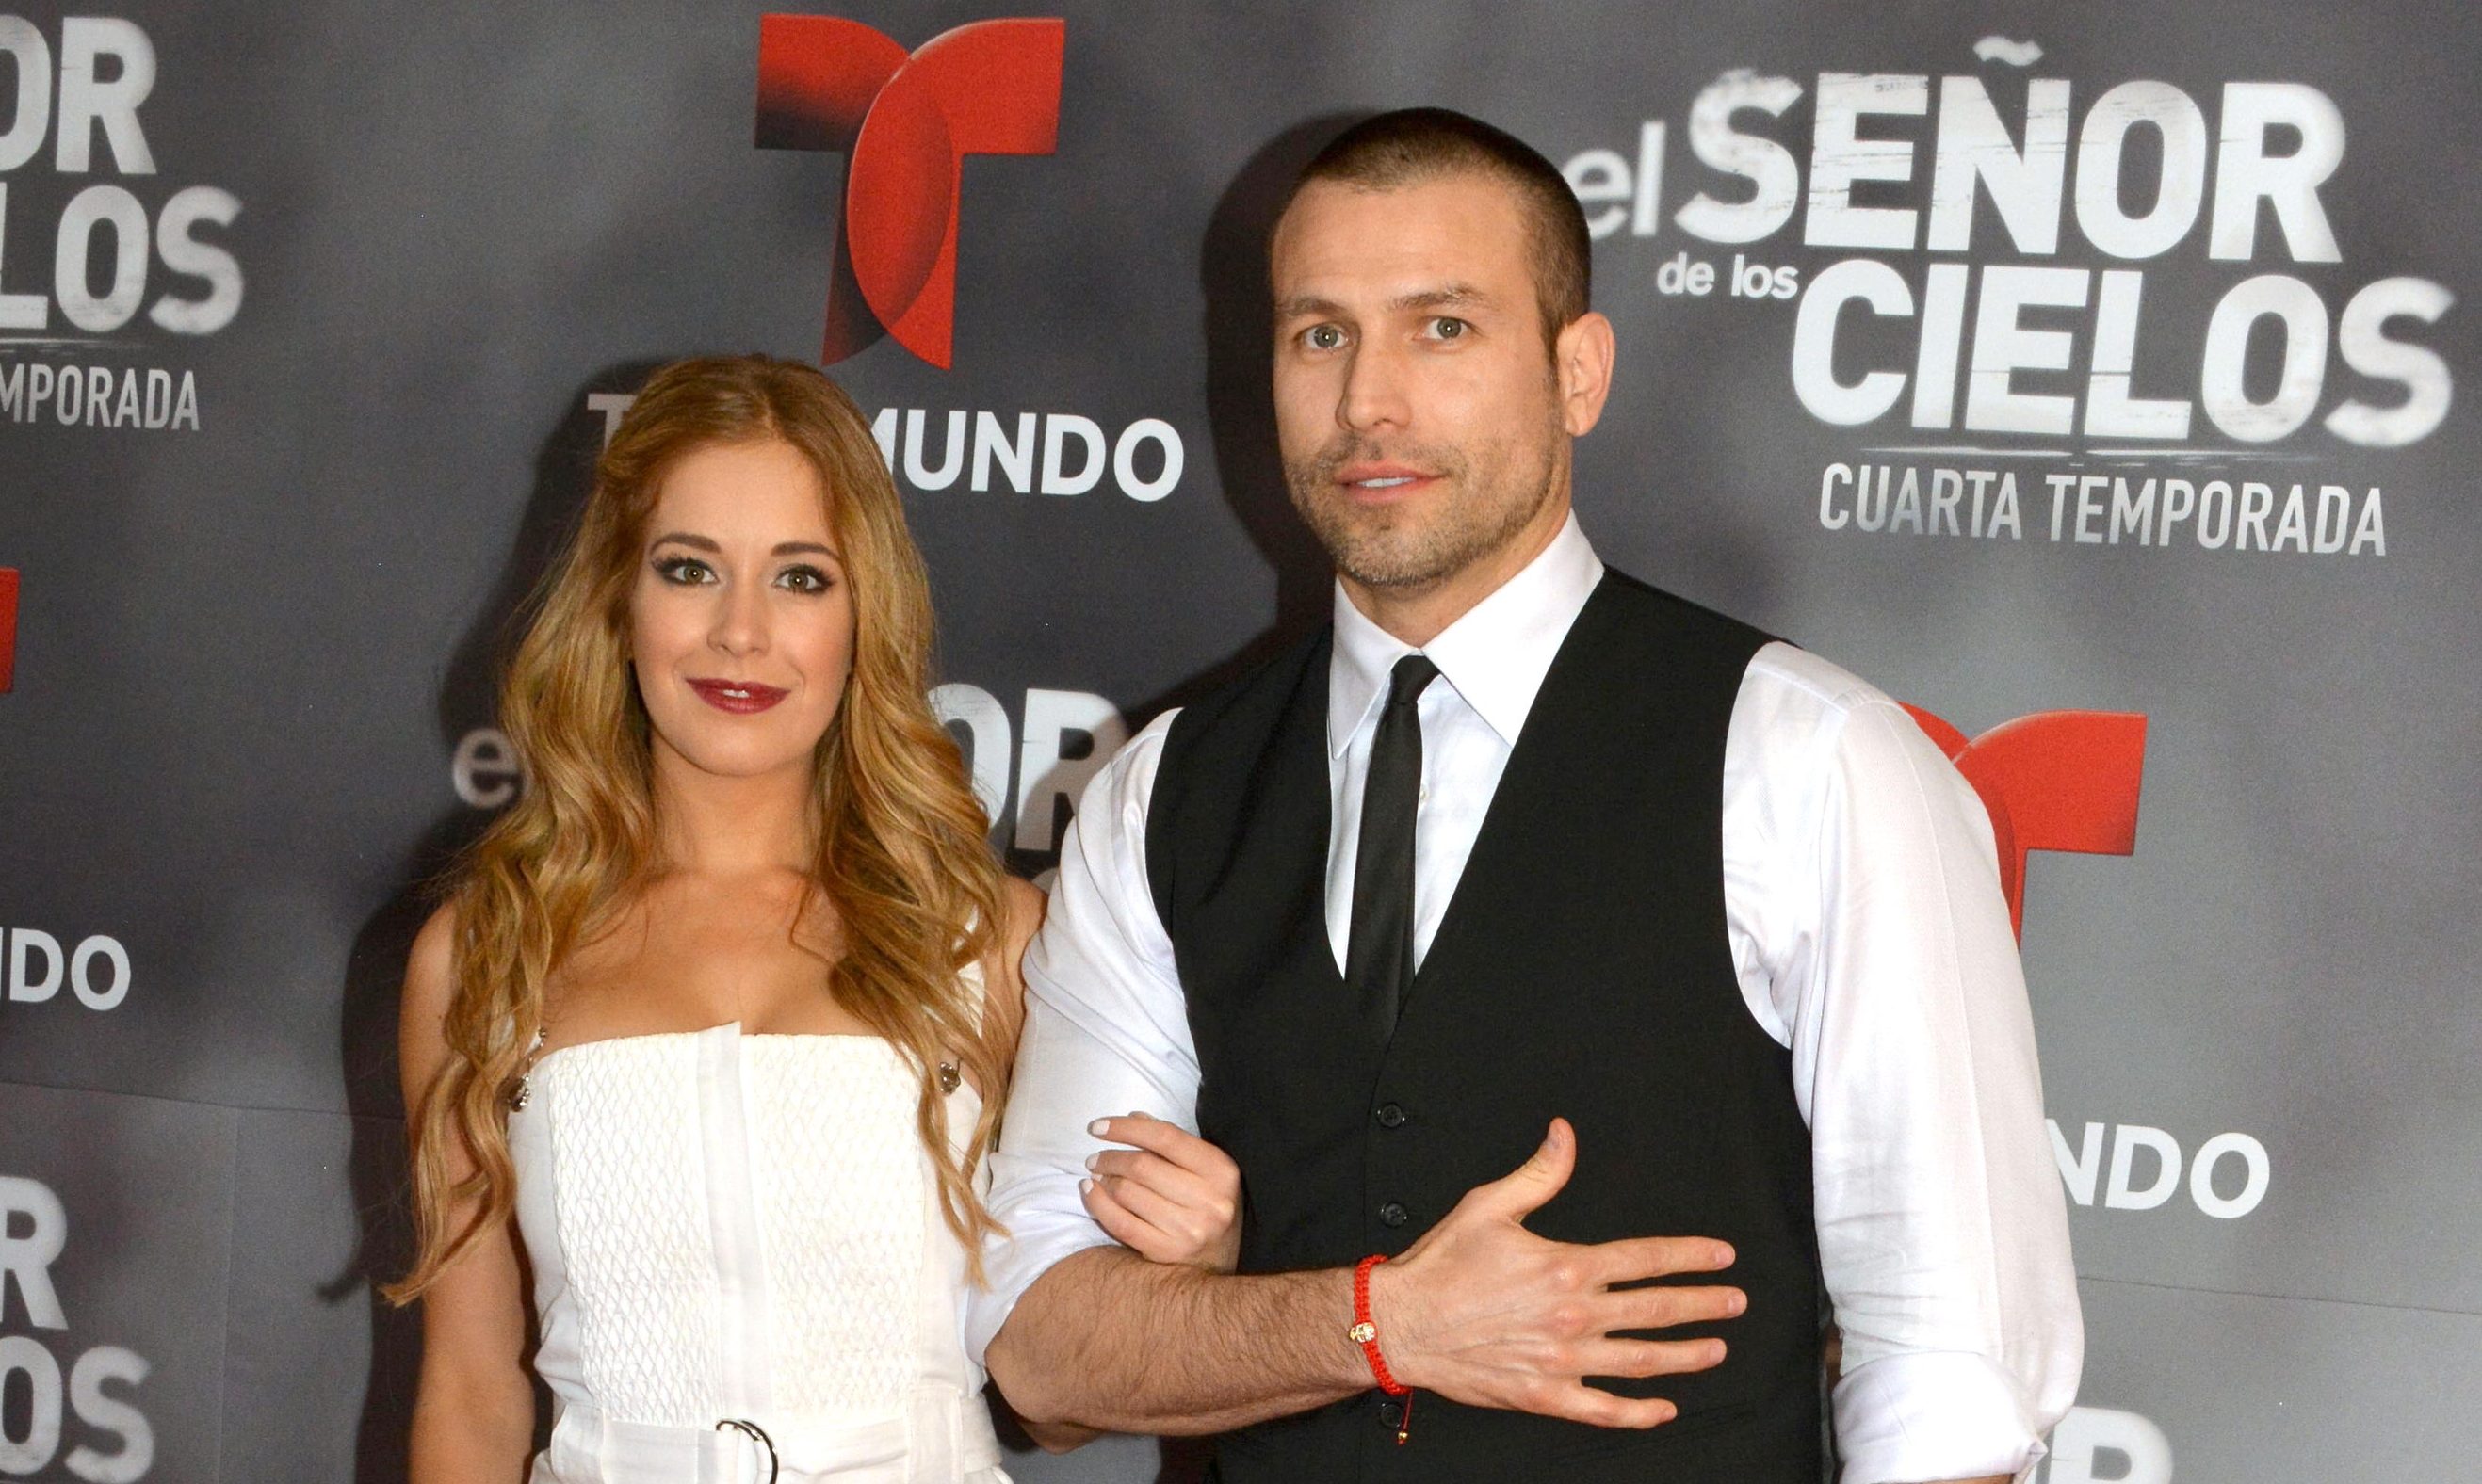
{"type": "Point", "coordinates": [1004, 996]}
{"type": "Point", "coordinates": [473, 1406]}
{"type": "Point", "coordinates": [1005, 1006]}
{"type": "Point", "coordinates": [1172, 1198]}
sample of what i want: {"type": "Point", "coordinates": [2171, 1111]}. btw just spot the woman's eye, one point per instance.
{"type": "Point", "coordinates": [684, 570]}
{"type": "Point", "coordinates": [805, 579]}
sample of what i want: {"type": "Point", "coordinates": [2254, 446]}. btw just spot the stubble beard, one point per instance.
{"type": "Point", "coordinates": [1488, 501]}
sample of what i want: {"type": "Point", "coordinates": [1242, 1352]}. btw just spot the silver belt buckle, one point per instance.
{"type": "Point", "coordinates": [757, 1434]}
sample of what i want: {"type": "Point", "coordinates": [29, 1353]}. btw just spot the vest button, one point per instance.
{"type": "Point", "coordinates": [1393, 1214]}
{"type": "Point", "coordinates": [1389, 1115]}
{"type": "Point", "coordinates": [1392, 1414]}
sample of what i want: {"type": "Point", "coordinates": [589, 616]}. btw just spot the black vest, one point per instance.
{"type": "Point", "coordinates": [1581, 969]}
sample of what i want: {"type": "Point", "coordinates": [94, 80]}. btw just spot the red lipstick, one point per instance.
{"type": "Point", "coordinates": [740, 697]}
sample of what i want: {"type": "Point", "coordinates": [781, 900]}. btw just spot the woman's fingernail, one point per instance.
{"type": "Point", "coordinates": [1090, 1159]}
{"type": "Point", "coordinates": [1097, 1126]}
{"type": "Point", "coordinates": [1085, 1188]}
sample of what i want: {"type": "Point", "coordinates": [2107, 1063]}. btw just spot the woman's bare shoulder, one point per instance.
{"type": "Point", "coordinates": [431, 967]}
{"type": "Point", "coordinates": [1021, 904]}
{"type": "Point", "coordinates": [1025, 904]}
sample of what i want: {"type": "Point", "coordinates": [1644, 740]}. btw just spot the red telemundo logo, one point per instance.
{"type": "Point", "coordinates": [905, 124]}
{"type": "Point", "coordinates": [8, 628]}
{"type": "Point", "coordinates": [2057, 780]}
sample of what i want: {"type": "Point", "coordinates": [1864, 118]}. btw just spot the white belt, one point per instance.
{"type": "Point", "coordinates": [942, 1436]}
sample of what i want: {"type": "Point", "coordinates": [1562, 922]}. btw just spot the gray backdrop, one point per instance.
{"type": "Point", "coordinates": [312, 317]}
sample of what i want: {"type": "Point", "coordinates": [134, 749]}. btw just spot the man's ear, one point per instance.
{"type": "Point", "coordinates": [1581, 357]}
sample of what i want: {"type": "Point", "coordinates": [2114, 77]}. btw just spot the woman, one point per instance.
{"type": "Point", "coordinates": [710, 1039]}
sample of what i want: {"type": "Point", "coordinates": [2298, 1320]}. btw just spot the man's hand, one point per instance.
{"type": "Point", "coordinates": [1482, 1312]}
{"type": "Point", "coordinates": [1173, 1197]}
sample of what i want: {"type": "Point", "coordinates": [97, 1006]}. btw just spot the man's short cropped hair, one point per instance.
{"type": "Point", "coordinates": [1414, 145]}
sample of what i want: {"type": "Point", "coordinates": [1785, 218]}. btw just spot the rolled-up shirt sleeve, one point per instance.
{"type": "Point", "coordinates": [1873, 940]}
{"type": "Point", "coordinates": [1106, 1032]}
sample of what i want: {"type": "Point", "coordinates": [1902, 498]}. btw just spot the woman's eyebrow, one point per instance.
{"type": "Point", "coordinates": [782, 548]}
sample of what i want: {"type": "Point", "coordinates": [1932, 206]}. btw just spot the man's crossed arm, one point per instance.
{"type": "Point", "coordinates": [1480, 1310]}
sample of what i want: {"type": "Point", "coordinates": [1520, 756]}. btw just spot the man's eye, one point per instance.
{"type": "Point", "coordinates": [1447, 327]}
{"type": "Point", "coordinates": [1323, 337]}
{"type": "Point", "coordinates": [684, 570]}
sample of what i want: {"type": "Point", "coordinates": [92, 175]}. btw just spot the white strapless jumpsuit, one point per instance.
{"type": "Point", "coordinates": [735, 1238]}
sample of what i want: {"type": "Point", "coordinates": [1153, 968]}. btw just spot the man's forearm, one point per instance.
{"type": "Point", "coordinates": [1109, 1339]}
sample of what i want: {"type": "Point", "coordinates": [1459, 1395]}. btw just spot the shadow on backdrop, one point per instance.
{"type": "Point", "coordinates": [1239, 333]}
{"type": "Point", "coordinates": [375, 973]}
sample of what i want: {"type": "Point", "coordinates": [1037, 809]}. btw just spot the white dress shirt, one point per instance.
{"type": "Point", "coordinates": [1869, 936]}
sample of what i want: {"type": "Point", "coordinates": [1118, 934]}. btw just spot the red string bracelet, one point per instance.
{"type": "Point", "coordinates": [1365, 1333]}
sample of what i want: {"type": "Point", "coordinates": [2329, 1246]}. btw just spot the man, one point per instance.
{"type": "Point", "coordinates": [1519, 841]}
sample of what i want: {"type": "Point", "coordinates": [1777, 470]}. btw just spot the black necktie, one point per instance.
{"type": "Point", "coordinates": [1379, 951]}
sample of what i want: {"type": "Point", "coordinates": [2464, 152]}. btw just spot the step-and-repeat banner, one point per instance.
{"type": "Point", "coordinates": [2087, 377]}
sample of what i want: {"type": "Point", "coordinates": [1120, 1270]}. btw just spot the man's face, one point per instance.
{"type": "Point", "coordinates": [1419, 414]}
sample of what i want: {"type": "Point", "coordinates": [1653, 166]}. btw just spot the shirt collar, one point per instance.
{"type": "Point", "coordinates": [1496, 655]}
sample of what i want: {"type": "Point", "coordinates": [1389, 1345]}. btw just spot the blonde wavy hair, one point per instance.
{"type": "Point", "coordinates": [903, 859]}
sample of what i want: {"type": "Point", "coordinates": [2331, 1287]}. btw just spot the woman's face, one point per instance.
{"type": "Point", "coordinates": [741, 625]}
